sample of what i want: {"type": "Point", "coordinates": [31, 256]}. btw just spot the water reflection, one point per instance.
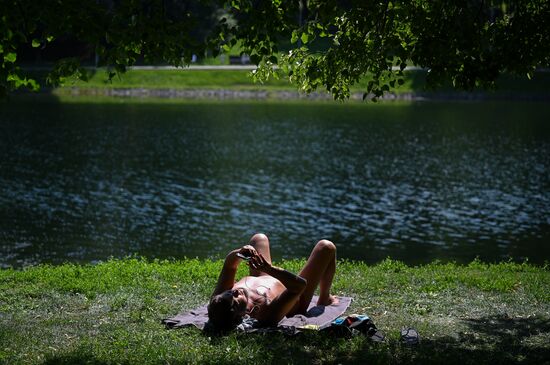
{"type": "Point", "coordinates": [415, 182]}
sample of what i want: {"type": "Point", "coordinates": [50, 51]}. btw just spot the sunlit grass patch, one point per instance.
{"type": "Point", "coordinates": [110, 313]}
{"type": "Point", "coordinates": [414, 81]}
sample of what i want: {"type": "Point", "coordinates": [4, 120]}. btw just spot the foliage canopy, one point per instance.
{"type": "Point", "coordinates": [328, 44]}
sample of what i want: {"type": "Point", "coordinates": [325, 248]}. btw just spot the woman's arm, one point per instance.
{"type": "Point", "coordinates": [292, 282]}
{"type": "Point", "coordinates": [282, 304]}
{"type": "Point", "coordinates": [226, 280]}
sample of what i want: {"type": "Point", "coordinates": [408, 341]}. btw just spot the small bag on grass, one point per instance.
{"type": "Point", "coordinates": [353, 325]}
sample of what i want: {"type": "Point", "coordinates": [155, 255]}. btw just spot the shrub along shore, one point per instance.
{"type": "Point", "coordinates": [111, 312]}
{"type": "Point", "coordinates": [237, 84]}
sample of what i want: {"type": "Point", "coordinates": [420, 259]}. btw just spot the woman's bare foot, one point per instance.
{"type": "Point", "coordinates": [328, 301]}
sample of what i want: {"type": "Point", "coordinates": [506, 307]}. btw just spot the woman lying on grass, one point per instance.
{"type": "Point", "coordinates": [270, 293]}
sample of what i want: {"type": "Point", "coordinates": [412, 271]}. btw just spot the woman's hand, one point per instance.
{"type": "Point", "coordinates": [259, 262]}
{"type": "Point", "coordinates": [248, 251]}
{"type": "Point", "coordinates": [226, 280]}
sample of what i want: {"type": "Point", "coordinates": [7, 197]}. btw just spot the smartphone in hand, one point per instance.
{"type": "Point", "coordinates": [246, 258]}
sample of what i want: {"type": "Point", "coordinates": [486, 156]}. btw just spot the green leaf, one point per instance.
{"type": "Point", "coordinates": [304, 37]}
{"type": "Point", "coordinates": [10, 57]}
{"type": "Point", "coordinates": [19, 82]}
{"type": "Point", "coordinates": [35, 43]}
{"type": "Point", "coordinates": [294, 37]}
{"type": "Point", "coordinates": [226, 47]}
{"type": "Point", "coordinates": [31, 83]}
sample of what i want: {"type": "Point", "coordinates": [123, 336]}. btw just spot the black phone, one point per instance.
{"type": "Point", "coordinates": [246, 258]}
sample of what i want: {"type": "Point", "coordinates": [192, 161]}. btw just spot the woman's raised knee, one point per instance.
{"type": "Point", "coordinates": [258, 237]}
{"type": "Point", "coordinates": [326, 245]}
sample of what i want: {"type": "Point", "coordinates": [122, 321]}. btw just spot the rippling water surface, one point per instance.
{"type": "Point", "coordinates": [83, 182]}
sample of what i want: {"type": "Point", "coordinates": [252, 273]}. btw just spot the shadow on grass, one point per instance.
{"type": "Point", "coordinates": [77, 358]}
{"type": "Point", "coordinates": [493, 339]}
{"type": "Point", "coordinates": [507, 328]}
{"type": "Point", "coordinates": [497, 341]}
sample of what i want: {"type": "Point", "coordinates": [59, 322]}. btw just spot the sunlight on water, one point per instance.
{"type": "Point", "coordinates": [84, 182]}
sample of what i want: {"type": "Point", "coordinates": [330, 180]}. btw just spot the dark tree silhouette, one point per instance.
{"type": "Point", "coordinates": [328, 44]}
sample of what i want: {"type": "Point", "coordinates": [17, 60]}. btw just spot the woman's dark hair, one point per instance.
{"type": "Point", "coordinates": [221, 315]}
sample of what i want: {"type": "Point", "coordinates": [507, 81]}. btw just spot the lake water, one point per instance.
{"type": "Point", "coordinates": [416, 182]}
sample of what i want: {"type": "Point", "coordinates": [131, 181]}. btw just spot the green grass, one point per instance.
{"type": "Point", "coordinates": [241, 80]}
{"type": "Point", "coordinates": [110, 313]}
{"type": "Point", "coordinates": [176, 79]}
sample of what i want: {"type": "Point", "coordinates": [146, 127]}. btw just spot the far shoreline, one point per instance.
{"type": "Point", "coordinates": [235, 83]}
{"type": "Point", "coordinates": [267, 94]}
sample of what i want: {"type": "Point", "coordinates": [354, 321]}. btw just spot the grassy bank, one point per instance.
{"type": "Point", "coordinates": [111, 312]}
{"type": "Point", "coordinates": [240, 80]}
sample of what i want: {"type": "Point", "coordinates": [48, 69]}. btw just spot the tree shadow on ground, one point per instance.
{"type": "Point", "coordinates": [497, 339]}
{"type": "Point", "coordinates": [74, 358]}
{"type": "Point", "coordinates": [491, 339]}
{"type": "Point", "coordinates": [507, 328]}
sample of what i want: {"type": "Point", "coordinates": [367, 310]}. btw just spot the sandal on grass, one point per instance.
{"type": "Point", "coordinates": [410, 336]}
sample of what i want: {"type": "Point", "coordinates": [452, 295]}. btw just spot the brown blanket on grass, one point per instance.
{"type": "Point", "coordinates": [317, 316]}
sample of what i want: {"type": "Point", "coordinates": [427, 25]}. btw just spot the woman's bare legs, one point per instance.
{"type": "Point", "coordinates": [319, 270]}
{"type": "Point", "coordinates": [261, 243]}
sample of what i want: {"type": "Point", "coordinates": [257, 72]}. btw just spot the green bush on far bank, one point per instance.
{"type": "Point", "coordinates": [111, 312]}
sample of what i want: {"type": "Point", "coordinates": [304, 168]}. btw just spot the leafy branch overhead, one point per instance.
{"type": "Point", "coordinates": [317, 44]}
